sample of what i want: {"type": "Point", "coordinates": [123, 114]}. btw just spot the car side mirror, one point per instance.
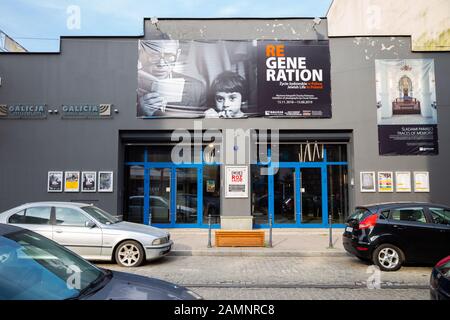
{"type": "Point", "coordinates": [90, 224]}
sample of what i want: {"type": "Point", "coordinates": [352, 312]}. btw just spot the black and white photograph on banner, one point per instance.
{"type": "Point", "coordinates": [88, 181]}
{"type": "Point", "coordinates": [105, 181]}
{"type": "Point", "coordinates": [406, 107]}
{"type": "Point", "coordinates": [54, 181]}
{"type": "Point", "coordinates": [367, 181]}
{"type": "Point", "coordinates": [196, 79]}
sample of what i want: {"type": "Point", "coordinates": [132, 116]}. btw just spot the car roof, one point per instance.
{"type": "Point", "coordinates": [387, 205]}
{"type": "Point", "coordinates": [57, 203]}
{"type": "Point", "coordinates": [7, 229]}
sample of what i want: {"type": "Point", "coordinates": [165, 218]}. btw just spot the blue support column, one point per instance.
{"type": "Point", "coordinates": [271, 193]}
{"type": "Point", "coordinates": [147, 210]}
{"type": "Point", "coordinates": [298, 195]}
{"type": "Point", "coordinates": [200, 195]}
{"type": "Point", "coordinates": [173, 196]}
{"type": "Point", "coordinates": [324, 195]}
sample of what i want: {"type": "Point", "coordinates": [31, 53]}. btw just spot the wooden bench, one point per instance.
{"type": "Point", "coordinates": [239, 238]}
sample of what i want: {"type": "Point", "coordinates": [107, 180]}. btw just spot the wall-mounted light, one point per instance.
{"type": "Point", "coordinates": [116, 110]}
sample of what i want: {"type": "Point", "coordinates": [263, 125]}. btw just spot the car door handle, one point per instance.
{"type": "Point", "coordinates": [58, 231]}
{"type": "Point", "coordinates": [398, 227]}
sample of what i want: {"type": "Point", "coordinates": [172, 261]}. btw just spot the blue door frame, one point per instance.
{"type": "Point", "coordinates": [173, 192]}
{"type": "Point", "coordinates": [323, 165]}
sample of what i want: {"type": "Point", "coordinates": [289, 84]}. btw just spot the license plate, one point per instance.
{"type": "Point", "coordinates": [349, 229]}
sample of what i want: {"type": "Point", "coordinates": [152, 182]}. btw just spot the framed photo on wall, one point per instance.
{"type": "Point", "coordinates": [403, 181]}
{"type": "Point", "coordinates": [421, 181]}
{"type": "Point", "coordinates": [385, 181]}
{"type": "Point", "coordinates": [105, 181]}
{"type": "Point", "coordinates": [88, 181]}
{"type": "Point", "coordinates": [72, 181]}
{"type": "Point", "coordinates": [367, 180]}
{"type": "Point", "coordinates": [55, 181]}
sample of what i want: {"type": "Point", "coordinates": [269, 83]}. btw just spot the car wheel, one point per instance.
{"type": "Point", "coordinates": [388, 257]}
{"type": "Point", "coordinates": [129, 254]}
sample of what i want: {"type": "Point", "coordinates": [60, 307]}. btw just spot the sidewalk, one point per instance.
{"type": "Point", "coordinates": [286, 243]}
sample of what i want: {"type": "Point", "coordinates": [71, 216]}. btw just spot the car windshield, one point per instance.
{"type": "Point", "coordinates": [100, 215]}
{"type": "Point", "coordinates": [35, 268]}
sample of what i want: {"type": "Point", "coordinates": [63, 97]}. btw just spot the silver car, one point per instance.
{"type": "Point", "coordinates": [91, 232]}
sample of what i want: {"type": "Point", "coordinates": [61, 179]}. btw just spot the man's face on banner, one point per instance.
{"type": "Point", "coordinates": [229, 103]}
{"type": "Point", "coordinates": [162, 58]}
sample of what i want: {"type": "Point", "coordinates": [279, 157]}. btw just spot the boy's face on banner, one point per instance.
{"type": "Point", "coordinates": [228, 102]}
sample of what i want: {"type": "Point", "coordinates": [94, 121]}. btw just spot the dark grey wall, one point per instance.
{"type": "Point", "coordinates": [104, 71]}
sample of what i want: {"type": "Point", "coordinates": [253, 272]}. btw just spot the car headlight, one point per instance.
{"type": "Point", "coordinates": [195, 295]}
{"type": "Point", "coordinates": [160, 241]}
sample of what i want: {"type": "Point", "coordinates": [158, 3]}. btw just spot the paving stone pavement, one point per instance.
{"type": "Point", "coordinates": [311, 294]}
{"type": "Point", "coordinates": [284, 277]}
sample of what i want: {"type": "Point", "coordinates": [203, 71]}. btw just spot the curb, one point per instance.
{"type": "Point", "coordinates": [257, 253]}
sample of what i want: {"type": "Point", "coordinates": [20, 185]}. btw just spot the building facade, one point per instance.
{"type": "Point", "coordinates": [73, 127]}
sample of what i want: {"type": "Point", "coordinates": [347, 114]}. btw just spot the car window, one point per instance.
{"type": "Point", "coordinates": [35, 268]}
{"type": "Point", "coordinates": [359, 214]}
{"type": "Point", "coordinates": [155, 202]}
{"type": "Point", "coordinates": [34, 215]}
{"type": "Point", "coordinates": [17, 218]}
{"type": "Point", "coordinates": [70, 217]}
{"type": "Point", "coordinates": [440, 215]}
{"type": "Point", "coordinates": [408, 214]}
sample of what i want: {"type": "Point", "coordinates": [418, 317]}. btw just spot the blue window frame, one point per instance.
{"type": "Point", "coordinates": [172, 167]}
{"type": "Point", "coordinates": [298, 166]}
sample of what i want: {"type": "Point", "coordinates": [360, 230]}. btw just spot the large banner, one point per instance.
{"type": "Point", "coordinates": [196, 79]}
{"type": "Point", "coordinates": [294, 79]}
{"type": "Point", "coordinates": [233, 79]}
{"type": "Point", "coordinates": [406, 107]}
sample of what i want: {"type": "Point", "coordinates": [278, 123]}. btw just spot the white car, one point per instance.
{"type": "Point", "coordinates": [91, 232]}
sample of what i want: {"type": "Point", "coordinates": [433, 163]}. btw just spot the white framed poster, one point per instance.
{"type": "Point", "coordinates": [236, 182]}
{"type": "Point", "coordinates": [88, 181]}
{"type": "Point", "coordinates": [367, 180]}
{"type": "Point", "coordinates": [385, 181]}
{"type": "Point", "coordinates": [421, 181]}
{"type": "Point", "coordinates": [105, 181]}
{"type": "Point", "coordinates": [403, 181]}
{"type": "Point", "coordinates": [72, 181]}
{"type": "Point", "coordinates": [55, 181]}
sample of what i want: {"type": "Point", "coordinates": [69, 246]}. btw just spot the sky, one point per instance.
{"type": "Point", "coordinates": [38, 24]}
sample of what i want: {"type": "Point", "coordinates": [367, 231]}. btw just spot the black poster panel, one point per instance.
{"type": "Point", "coordinates": [408, 140]}
{"type": "Point", "coordinates": [294, 79]}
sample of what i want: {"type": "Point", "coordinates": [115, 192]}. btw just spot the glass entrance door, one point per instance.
{"type": "Point", "coordinates": [159, 195]}
{"type": "Point", "coordinates": [285, 204]}
{"type": "Point", "coordinates": [311, 195]}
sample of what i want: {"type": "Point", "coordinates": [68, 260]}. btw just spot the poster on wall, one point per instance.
{"type": "Point", "coordinates": [196, 79]}
{"type": "Point", "coordinates": [385, 181]}
{"type": "Point", "coordinates": [55, 181]}
{"type": "Point", "coordinates": [72, 181]}
{"type": "Point", "coordinates": [367, 181]}
{"type": "Point", "coordinates": [294, 79]}
{"type": "Point", "coordinates": [105, 181]}
{"type": "Point", "coordinates": [236, 182]}
{"type": "Point", "coordinates": [406, 107]}
{"type": "Point", "coordinates": [403, 181]}
{"type": "Point", "coordinates": [421, 181]}
{"type": "Point", "coordinates": [88, 181]}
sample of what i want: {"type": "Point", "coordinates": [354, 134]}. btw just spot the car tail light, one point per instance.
{"type": "Point", "coordinates": [442, 262]}
{"type": "Point", "coordinates": [368, 222]}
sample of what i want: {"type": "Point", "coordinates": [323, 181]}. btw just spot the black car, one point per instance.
{"type": "Point", "coordinates": [390, 234]}
{"type": "Point", "coordinates": [440, 280]}
{"type": "Point", "coordinates": [33, 267]}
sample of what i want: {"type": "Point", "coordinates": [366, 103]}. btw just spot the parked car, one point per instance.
{"type": "Point", "coordinates": [390, 234]}
{"type": "Point", "coordinates": [91, 232]}
{"type": "Point", "coordinates": [33, 267]}
{"type": "Point", "coordinates": [440, 280]}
